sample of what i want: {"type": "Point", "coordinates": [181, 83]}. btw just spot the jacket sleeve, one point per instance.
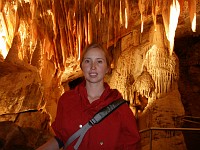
{"type": "Point", "coordinates": [57, 124]}
{"type": "Point", "coordinates": [130, 137]}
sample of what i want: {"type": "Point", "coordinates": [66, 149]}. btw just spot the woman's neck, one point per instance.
{"type": "Point", "coordinates": [94, 91]}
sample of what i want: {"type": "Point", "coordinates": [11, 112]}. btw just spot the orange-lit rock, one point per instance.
{"type": "Point", "coordinates": [21, 89]}
{"type": "Point", "coordinates": [44, 39]}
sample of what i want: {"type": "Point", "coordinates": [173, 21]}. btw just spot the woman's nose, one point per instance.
{"type": "Point", "coordinates": [93, 65]}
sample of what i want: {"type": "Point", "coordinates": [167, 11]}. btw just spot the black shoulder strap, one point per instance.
{"type": "Point", "coordinates": [104, 112]}
{"type": "Point", "coordinates": [98, 117]}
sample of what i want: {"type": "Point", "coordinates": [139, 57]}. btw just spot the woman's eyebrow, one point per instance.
{"type": "Point", "coordinates": [101, 58]}
{"type": "Point", "coordinates": [95, 58]}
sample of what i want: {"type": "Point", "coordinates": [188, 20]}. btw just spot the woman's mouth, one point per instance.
{"type": "Point", "coordinates": [93, 74]}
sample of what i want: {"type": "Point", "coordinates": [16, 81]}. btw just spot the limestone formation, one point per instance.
{"type": "Point", "coordinates": [40, 47]}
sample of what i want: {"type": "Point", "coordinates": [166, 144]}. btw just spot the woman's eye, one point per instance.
{"type": "Point", "coordinates": [100, 61]}
{"type": "Point", "coordinates": [86, 61]}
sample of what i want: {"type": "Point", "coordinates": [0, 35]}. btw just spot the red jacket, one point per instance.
{"type": "Point", "coordinates": [116, 132]}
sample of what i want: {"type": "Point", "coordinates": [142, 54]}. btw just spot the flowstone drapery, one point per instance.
{"type": "Point", "coordinates": [163, 69]}
{"type": "Point", "coordinates": [147, 76]}
{"type": "Point", "coordinates": [154, 57]}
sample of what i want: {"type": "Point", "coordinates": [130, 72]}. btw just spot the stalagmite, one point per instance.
{"type": "Point", "coordinates": [144, 84]}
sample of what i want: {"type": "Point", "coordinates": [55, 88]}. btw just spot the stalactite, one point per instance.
{"type": "Point", "coordinates": [126, 13]}
{"type": "Point", "coordinates": [155, 6]}
{"type": "Point", "coordinates": [143, 7]}
{"type": "Point", "coordinates": [120, 13]}
{"type": "Point", "coordinates": [1, 5]}
{"type": "Point", "coordinates": [89, 29]}
{"type": "Point", "coordinates": [86, 29]}
{"type": "Point", "coordinates": [174, 15]}
{"type": "Point", "coordinates": [70, 31]}
{"type": "Point", "coordinates": [5, 27]}
{"type": "Point", "coordinates": [37, 57]}
{"type": "Point", "coordinates": [192, 12]}
{"type": "Point", "coordinates": [80, 37]}
{"type": "Point", "coordinates": [33, 10]}
{"type": "Point", "coordinates": [63, 26]}
{"type": "Point", "coordinates": [110, 17]}
{"type": "Point", "coordinates": [116, 23]}
{"type": "Point", "coordinates": [76, 25]}
{"type": "Point", "coordinates": [103, 9]}
{"type": "Point", "coordinates": [100, 11]}
{"type": "Point", "coordinates": [80, 27]}
{"type": "Point", "coordinates": [72, 26]}
{"type": "Point", "coordinates": [170, 13]}
{"type": "Point", "coordinates": [181, 2]}
{"type": "Point", "coordinates": [64, 46]}
{"type": "Point", "coordinates": [58, 16]}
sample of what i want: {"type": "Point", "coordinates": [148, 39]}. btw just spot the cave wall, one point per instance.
{"type": "Point", "coordinates": [41, 61]}
{"type": "Point", "coordinates": [147, 69]}
{"type": "Point", "coordinates": [187, 50]}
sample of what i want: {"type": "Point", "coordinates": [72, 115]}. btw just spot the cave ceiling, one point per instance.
{"type": "Point", "coordinates": [58, 30]}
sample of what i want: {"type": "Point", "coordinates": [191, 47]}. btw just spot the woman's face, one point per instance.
{"type": "Point", "coordinates": [94, 65]}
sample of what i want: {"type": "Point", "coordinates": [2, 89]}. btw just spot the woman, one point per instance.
{"type": "Point", "coordinates": [76, 107]}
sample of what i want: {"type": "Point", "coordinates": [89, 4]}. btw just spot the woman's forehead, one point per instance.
{"type": "Point", "coordinates": [94, 52]}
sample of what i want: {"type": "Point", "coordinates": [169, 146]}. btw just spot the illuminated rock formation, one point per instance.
{"type": "Point", "coordinates": [40, 47]}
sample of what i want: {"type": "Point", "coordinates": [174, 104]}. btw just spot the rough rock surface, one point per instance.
{"type": "Point", "coordinates": [41, 55]}
{"type": "Point", "coordinates": [20, 89]}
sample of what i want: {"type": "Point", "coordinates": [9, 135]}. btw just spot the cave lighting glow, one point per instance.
{"type": "Point", "coordinates": [126, 19]}
{"type": "Point", "coordinates": [194, 23]}
{"type": "Point", "coordinates": [3, 49]}
{"type": "Point", "coordinates": [79, 46]}
{"type": "Point", "coordinates": [173, 22]}
{"type": "Point", "coordinates": [120, 13]}
{"type": "Point", "coordinates": [142, 23]}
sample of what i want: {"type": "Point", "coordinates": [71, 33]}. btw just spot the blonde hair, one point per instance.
{"type": "Point", "coordinates": [96, 45]}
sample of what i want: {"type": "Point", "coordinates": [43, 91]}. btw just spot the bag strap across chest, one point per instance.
{"type": "Point", "coordinates": [98, 117]}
